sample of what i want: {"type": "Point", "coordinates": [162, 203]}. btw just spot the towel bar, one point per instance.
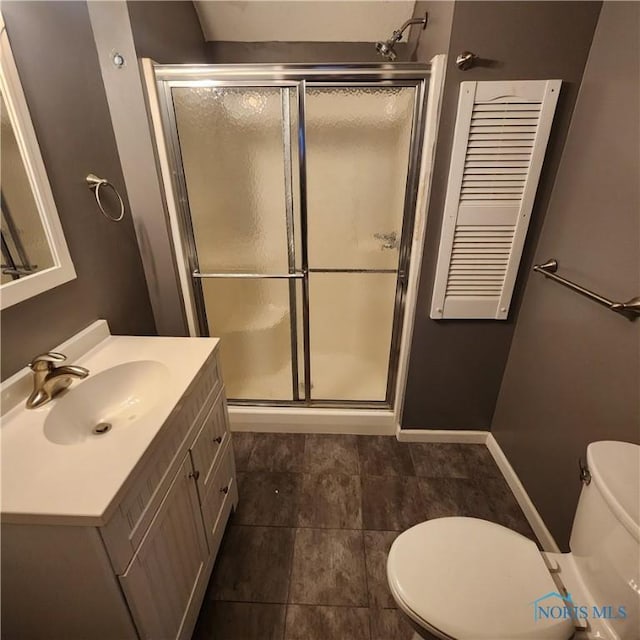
{"type": "Point", "coordinates": [630, 309]}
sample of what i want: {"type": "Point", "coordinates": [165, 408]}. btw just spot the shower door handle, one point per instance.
{"type": "Point", "coordinates": [296, 275]}
{"type": "Point", "coordinates": [389, 240]}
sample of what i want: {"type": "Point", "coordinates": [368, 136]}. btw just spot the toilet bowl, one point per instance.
{"type": "Point", "coordinates": [468, 579]}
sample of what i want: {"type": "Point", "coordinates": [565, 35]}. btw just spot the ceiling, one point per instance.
{"type": "Point", "coordinates": [302, 21]}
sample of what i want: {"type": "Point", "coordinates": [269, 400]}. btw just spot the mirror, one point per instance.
{"type": "Point", "coordinates": [35, 256]}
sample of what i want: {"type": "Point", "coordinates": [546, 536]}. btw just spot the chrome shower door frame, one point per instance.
{"type": "Point", "coordinates": [287, 78]}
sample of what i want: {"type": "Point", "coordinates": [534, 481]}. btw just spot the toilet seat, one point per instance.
{"type": "Point", "coordinates": [469, 579]}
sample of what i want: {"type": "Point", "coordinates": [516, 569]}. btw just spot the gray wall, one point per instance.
{"type": "Point", "coordinates": [56, 58]}
{"type": "Point", "coordinates": [168, 32]}
{"type": "Point", "coordinates": [456, 366]}
{"type": "Point", "coordinates": [228, 52]}
{"type": "Point", "coordinates": [435, 38]}
{"type": "Point", "coordinates": [573, 374]}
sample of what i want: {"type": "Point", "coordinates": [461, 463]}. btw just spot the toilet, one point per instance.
{"type": "Point", "coordinates": [468, 579]}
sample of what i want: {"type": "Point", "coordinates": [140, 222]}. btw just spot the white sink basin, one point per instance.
{"type": "Point", "coordinates": [105, 404]}
{"type": "Point", "coordinates": [54, 469]}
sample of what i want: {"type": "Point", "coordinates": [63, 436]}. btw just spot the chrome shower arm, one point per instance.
{"type": "Point", "coordinates": [385, 48]}
{"type": "Point", "coordinates": [423, 21]}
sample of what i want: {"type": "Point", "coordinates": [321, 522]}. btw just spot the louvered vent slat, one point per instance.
{"type": "Point", "coordinates": [504, 145]}
{"type": "Point", "coordinates": [502, 130]}
{"type": "Point", "coordinates": [513, 106]}
{"type": "Point", "coordinates": [496, 138]}
{"type": "Point", "coordinates": [489, 163]}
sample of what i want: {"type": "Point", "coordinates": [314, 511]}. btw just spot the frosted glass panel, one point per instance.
{"type": "Point", "coordinates": [232, 153]}
{"type": "Point", "coordinates": [350, 321]}
{"type": "Point", "coordinates": [252, 318]}
{"type": "Point", "coordinates": [357, 161]}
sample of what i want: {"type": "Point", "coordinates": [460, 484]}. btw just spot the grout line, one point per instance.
{"type": "Point", "coordinates": [293, 546]}
{"type": "Point", "coordinates": [286, 526]}
{"type": "Point", "coordinates": [305, 604]}
{"type": "Point", "coordinates": [293, 553]}
{"type": "Point", "coordinates": [364, 559]}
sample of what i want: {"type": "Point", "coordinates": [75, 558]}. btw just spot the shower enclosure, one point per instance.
{"type": "Point", "coordinates": [296, 189]}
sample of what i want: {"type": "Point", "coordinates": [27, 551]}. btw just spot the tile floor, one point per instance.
{"type": "Point", "coordinates": [304, 556]}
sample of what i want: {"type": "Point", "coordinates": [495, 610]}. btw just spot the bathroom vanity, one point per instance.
{"type": "Point", "coordinates": [115, 495]}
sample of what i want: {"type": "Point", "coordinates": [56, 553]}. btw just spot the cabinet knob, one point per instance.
{"type": "Point", "coordinates": [225, 489]}
{"type": "Point", "coordinates": [218, 439]}
{"type": "Point", "coordinates": [194, 474]}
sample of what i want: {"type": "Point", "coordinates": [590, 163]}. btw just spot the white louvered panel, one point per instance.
{"type": "Point", "coordinates": [502, 129]}
{"type": "Point", "coordinates": [479, 260]}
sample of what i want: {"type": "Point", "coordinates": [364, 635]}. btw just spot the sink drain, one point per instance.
{"type": "Point", "coordinates": [101, 427]}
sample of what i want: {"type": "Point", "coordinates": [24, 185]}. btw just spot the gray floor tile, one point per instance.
{"type": "Point", "coordinates": [327, 623]}
{"type": "Point", "coordinates": [268, 498]}
{"type": "Point", "coordinates": [480, 462]}
{"type": "Point", "coordinates": [390, 624]}
{"type": "Point", "coordinates": [331, 454]}
{"type": "Point", "coordinates": [240, 621]}
{"type": "Point", "coordinates": [487, 498]}
{"type": "Point", "coordinates": [330, 501]}
{"type": "Point", "coordinates": [443, 497]}
{"type": "Point", "coordinates": [391, 503]}
{"type": "Point", "coordinates": [439, 460]}
{"type": "Point", "coordinates": [474, 501]}
{"type": "Point", "coordinates": [384, 456]}
{"type": "Point", "coordinates": [253, 565]}
{"type": "Point", "coordinates": [376, 550]}
{"type": "Point", "coordinates": [328, 568]}
{"type": "Point", "coordinates": [277, 452]}
{"type": "Point", "coordinates": [242, 446]}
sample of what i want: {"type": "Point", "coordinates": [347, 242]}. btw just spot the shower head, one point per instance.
{"type": "Point", "coordinates": [386, 47]}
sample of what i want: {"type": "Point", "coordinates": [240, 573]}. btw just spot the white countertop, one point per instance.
{"type": "Point", "coordinates": [49, 483]}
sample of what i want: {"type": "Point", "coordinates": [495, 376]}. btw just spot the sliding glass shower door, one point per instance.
{"type": "Point", "coordinates": [358, 141]}
{"type": "Point", "coordinates": [297, 200]}
{"type": "Point", "coordinates": [233, 142]}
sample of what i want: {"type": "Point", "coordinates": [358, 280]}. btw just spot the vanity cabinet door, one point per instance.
{"type": "Point", "coordinates": [166, 578]}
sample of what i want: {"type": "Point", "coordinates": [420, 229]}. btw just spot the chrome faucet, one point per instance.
{"type": "Point", "coordinates": [49, 380]}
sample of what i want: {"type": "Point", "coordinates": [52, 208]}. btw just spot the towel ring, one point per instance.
{"type": "Point", "coordinates": [95, 183]}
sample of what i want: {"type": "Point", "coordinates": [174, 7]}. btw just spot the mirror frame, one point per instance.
{"type": "Point", "coordinates": [63, 270]}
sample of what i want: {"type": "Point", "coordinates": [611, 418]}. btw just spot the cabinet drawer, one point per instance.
{"type": "Point", "coordinates": [210, 442]}
{"type": "Point", "coordinates": [146, 489]}
{"type": "Point", "coordinates": [220, 498]}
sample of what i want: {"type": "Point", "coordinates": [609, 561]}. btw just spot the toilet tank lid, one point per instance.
{"type": "Point", "coordinates": [615, 469]}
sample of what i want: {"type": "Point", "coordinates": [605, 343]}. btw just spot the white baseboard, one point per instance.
{"type": "Point", "coordinates": [526, 504]}
{"type": "Point", "coordinates": [340, 421]}
{"type": "Point", "coordinates": [442, 435]}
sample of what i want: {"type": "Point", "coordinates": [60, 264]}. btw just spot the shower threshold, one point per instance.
{"type": "Point", "coordinates": [271, 419]}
